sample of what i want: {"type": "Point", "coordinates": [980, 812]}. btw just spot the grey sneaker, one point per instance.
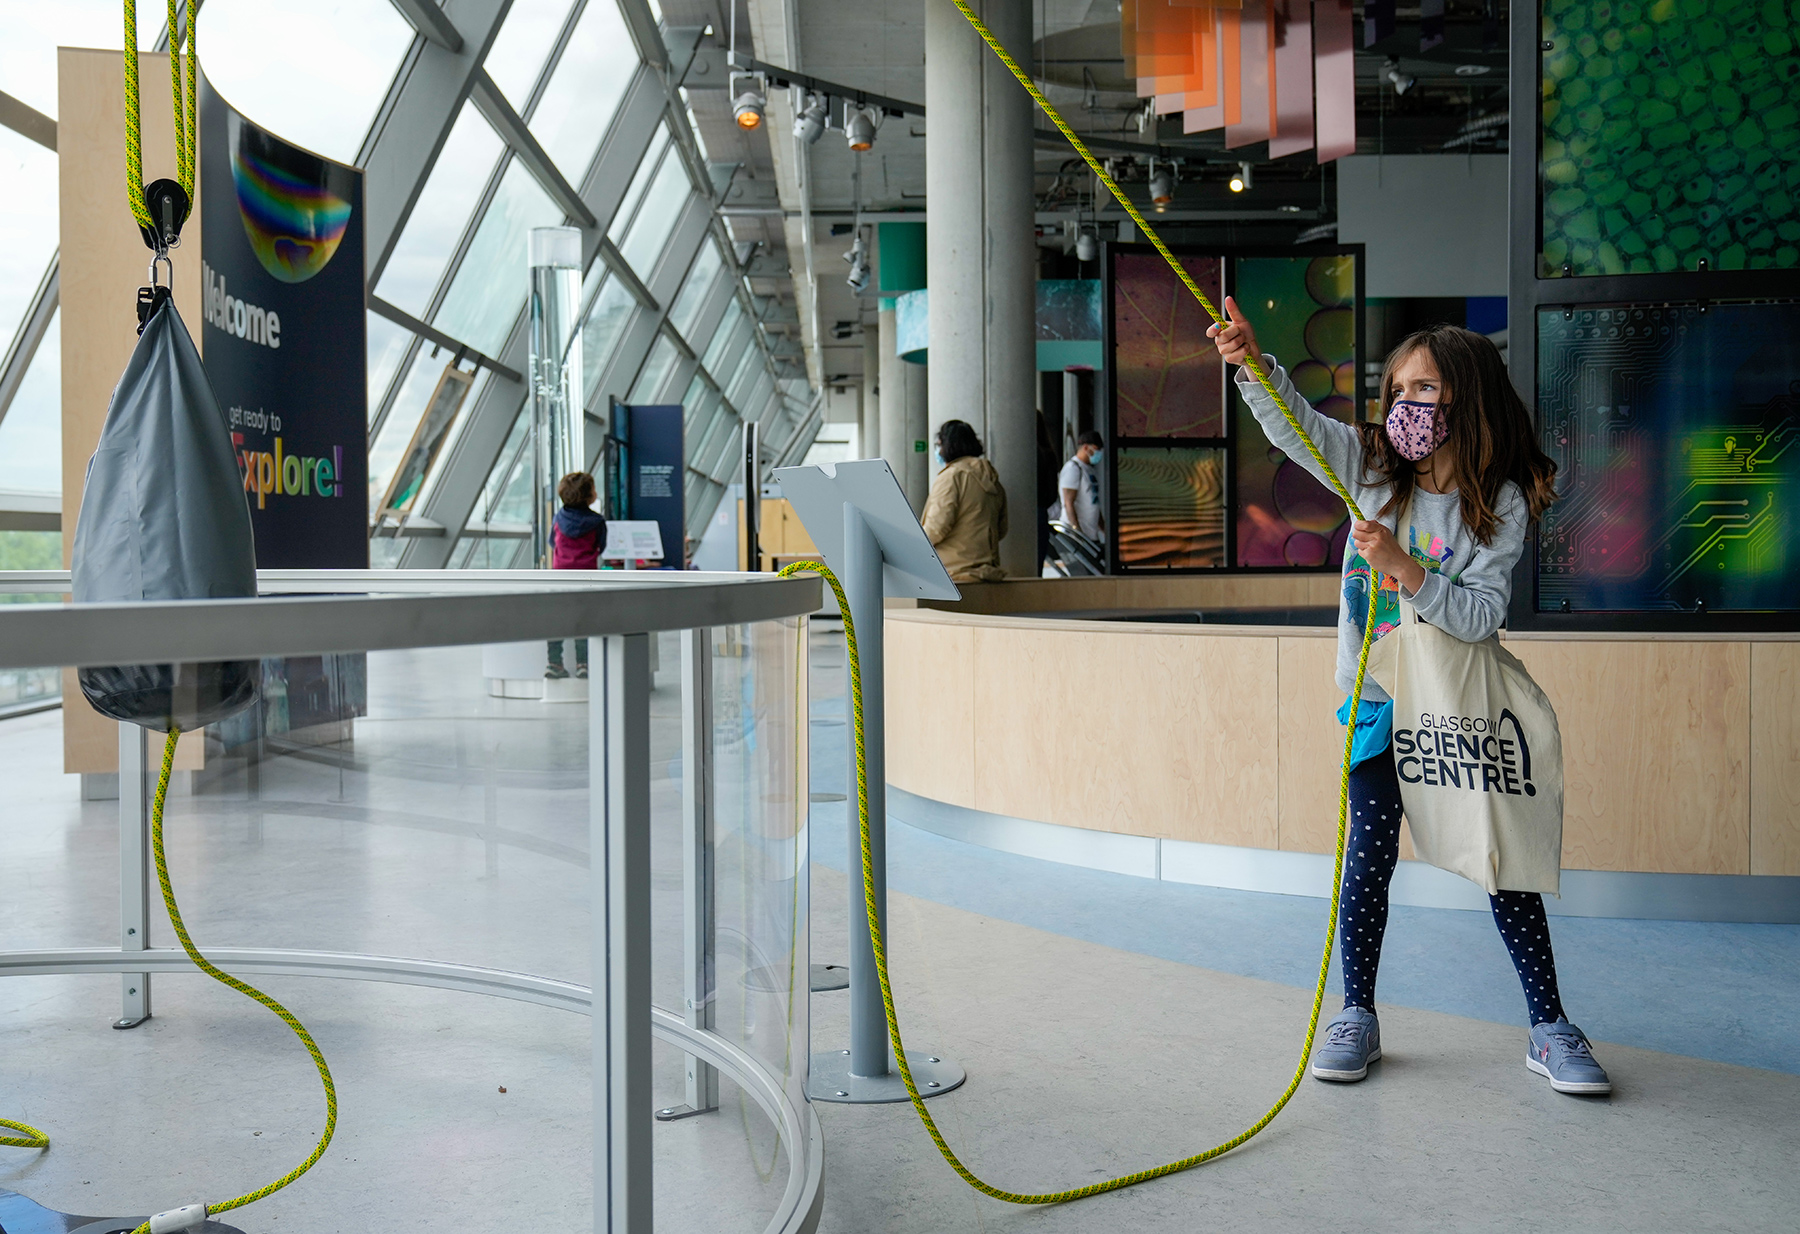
{"type": "Point", "coordinates": [555, 672]}
{"type": "Point", "coordinates": [1352, 1042]}
{"type": "Point", "coordinates": [1559, 1052]}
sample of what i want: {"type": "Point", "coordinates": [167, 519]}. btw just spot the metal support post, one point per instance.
{"type": "Point", "coordinates": [862, 587]}
{"type": "Point", "coordinates": [134, 870]}
{"type": "Point", "coordinates": [864, 1072]}
{"type": "Point", "coordinates": [619, 807]}
{"type": "Point", "coordinates": [698, 922]}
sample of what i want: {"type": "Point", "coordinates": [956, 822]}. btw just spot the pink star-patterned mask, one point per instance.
{"type": "Point", "coordinates": [1415, 428]}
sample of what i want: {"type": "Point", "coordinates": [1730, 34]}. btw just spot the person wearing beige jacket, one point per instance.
{"type": "Point", "coordinates": [965, 515]}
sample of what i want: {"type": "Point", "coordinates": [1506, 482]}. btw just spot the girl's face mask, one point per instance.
{"type": "Point", "coordinates": [1416, 429]}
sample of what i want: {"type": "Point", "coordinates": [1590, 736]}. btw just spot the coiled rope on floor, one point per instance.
{"type": "Point", "coordinates": [879, 944]}
{"type": "Point", "coordinates": [37, 1139]}
{"type": "Point", "coordinates": [243, 988]}
{"type": "Point", "coordinates": [28, 1137]}
{"type": "Point", "coordinates": [224, 978]}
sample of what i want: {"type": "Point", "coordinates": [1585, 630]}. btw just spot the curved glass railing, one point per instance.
{"type": "Point", "coordinates": [630, 845]}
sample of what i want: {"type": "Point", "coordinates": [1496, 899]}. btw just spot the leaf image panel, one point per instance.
{"type": "Point", "coordinates": [1170, 380]}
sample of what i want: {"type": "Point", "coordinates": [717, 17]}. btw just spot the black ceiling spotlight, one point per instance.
{"type": "Point", "coordinates": [809, 116]}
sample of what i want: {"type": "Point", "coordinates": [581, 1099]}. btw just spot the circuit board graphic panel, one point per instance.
{"type": "Point", "coordinates": [1676, 434]}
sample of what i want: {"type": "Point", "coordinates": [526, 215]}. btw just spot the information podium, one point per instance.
{"type": "Point", "coordinates": [869, 536]}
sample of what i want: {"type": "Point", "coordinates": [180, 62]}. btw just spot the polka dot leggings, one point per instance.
{"type": "Point", "coordinates": [1369, 859]}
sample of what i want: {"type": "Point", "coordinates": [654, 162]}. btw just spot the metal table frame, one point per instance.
{"type": "Point", "coordinates": [325, 611]}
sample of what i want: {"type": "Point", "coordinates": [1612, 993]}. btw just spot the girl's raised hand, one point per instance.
{"type": "Point", "coordinates": [1235, 340]}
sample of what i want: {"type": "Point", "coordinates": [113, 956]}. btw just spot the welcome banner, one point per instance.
{"type": "Point", "coordinates": [285, 336]}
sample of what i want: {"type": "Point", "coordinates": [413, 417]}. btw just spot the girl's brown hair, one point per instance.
{"type": "Point", "coordinates": [577, 489]}
{"type": "Point", "coordinates": [1491, 435]}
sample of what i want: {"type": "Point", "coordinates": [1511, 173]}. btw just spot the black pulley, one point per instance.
{"type": "Point", "coordinates": [169, 207]}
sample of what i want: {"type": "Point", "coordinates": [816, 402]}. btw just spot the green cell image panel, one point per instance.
{"type": "Point", "coordinates": [1670, 136]}
{"type": "Point", "coordinates": [1171, 507]}
{"type": "Point", "coordinates": [1304, 312]}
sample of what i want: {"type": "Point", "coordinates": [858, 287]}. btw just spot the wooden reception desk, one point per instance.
{"type": "Point", "coordinates": [1682, 753]}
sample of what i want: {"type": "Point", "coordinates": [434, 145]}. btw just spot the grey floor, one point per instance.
{"type": "Point", "coordinates": [1086, 1060]}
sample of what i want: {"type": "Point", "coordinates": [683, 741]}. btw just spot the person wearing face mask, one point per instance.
{"type": "Point", "coordinates": [1079, 485]}
{"type": "Point", "coordinates": [1456, 465]}
{"type": "Point", "coordinates": [965, 513]}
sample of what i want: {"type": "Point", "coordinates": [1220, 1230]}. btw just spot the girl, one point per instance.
{"type": "Point", "coordinates": [1457, 445]}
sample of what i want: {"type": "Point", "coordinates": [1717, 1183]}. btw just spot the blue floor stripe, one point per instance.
{"type": "Point", "coordinates": [1725, 992]}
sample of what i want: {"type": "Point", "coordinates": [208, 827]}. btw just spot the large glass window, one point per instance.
{"type": "Point", "coordinates": [523, 44]}
{"type": "Point", "coordinates": [387, 348]}
{"type": "Point", "coordinates": [31, 434]}
{"type": "Point", "coordinates": [738, 384]}
{"type": "Point", "coordinates": [656, 368]}
{"type": "Point", "coordinates": [724, 338]}
{"type": "Point", "coordinates": [403, 419]}
{"type": "Point", "coordinates": [640, 181]}
{"type": "Point", "coordinates": [491, 283]}
{"type": "Point", "coordinates": [314, 71]}
{"type": "Point", "coordinates": [35, 31]}
{"type": "Point", "coordinates": [600, 332]}
{"type": "Point", "coordinates": [657, 214]}
{"type": "Point", "coordinates": [584, 91]}
{"type": "Point", "coordinates": [442, 214]}
{"type": "Point", "coordinates": [30, 170]}
{"type": "Point", "coordinates": [693, 292]}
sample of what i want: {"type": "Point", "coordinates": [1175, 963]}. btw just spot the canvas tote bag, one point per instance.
{"type": "Point", "coordinates": [1479, 755]}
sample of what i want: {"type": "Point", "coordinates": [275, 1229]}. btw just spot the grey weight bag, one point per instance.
{"type": "Point", "coordinates": [163, 517]}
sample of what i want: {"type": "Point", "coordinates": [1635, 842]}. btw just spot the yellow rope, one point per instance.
{"type": "Point", "coordinates": [187, 117]}
{"type": "Point", "coordinates": [1254, 363]}
{"type": "Point", "coordinates": [33, 1138]}
{"type": "Point", "coordinates": [879, 944]}
{"type": "Point", "coordinates": [206, 966]}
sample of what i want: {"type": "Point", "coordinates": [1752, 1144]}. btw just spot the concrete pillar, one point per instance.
{"type": "Point", "coordinates": [870, 445]}
{"type": "Point", "coordinates": [903, 426]}
{"type": "Point", "coordinates": [981, 254]}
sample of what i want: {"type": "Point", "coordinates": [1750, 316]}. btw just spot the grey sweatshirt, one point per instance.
{"type": "Point", "coordinates": [1467, 584]}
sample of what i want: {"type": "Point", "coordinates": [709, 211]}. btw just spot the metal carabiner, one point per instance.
{"type": "Point", "coordinates": [161, 256]}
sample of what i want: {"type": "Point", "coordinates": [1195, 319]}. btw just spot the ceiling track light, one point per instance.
{"type": "Point", "coordinates": [1242, 180]}
{"type": "Point", "coordinates": [1162, 187]}
{"type": "Point", "coordinates": [1402, 82]}
{"type": "Point", "coordinates": [859, 128]}
{"type": "Point", "coordinates": [748, 101]}
{"type": "Point", "coordinates": [809, 117]}
{"type": "Point", "coordinates": [858, 257]}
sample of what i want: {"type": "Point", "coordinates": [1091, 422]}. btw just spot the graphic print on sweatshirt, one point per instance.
{"type": "Point", "coordinates": [1434, 555]}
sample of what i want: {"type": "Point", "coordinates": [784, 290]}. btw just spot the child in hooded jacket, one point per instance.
{"type": "Point", "coordinates": [1456, 450]}
{"type": "Point", "coordinates": [576, 538]}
